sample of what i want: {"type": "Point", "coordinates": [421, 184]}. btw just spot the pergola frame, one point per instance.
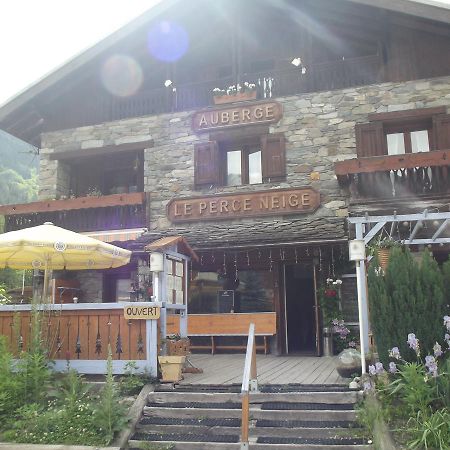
{"type": "Point", "coordinates": [366, 228]}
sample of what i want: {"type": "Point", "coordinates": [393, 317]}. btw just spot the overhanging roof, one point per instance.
{"type": "Point", "coordinates": [423, 9]}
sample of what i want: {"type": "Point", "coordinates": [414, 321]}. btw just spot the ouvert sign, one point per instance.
{"type": "Point", "coordinates": [252, 204]}
{"type": "Point", "coordinates": [217, 119]}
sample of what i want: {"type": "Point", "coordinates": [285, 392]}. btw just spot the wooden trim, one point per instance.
{"type": "Point", "coordinates": [408, 114]}
{"type": "Point", "coordinates": [134, 198]}
{"type": "Point", "coordinates": [96, 151]}
{"type": "Point", "coordinates": [392, 162]}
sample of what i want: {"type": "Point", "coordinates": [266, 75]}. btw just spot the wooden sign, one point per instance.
{"type": "Point", "coordinates": [254, 114]}
{"type": "Point", "coordinates": [141, 312]}
{"type": "Point", "coordinates": [278, 202]}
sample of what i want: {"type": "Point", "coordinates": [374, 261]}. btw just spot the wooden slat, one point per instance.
{"type": "Point", "coordinates": [133, 198]}
{"type": "Point", "coordinates": [392, 162]}
{"type": "Point", "coordinates": [235, 324]}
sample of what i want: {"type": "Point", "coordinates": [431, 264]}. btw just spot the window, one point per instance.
{"type": "Point", "coordinates": [240, 162]}
{"type": "Point", "coordinates": [243, 165]}
{"type": "Point", "coordinates": [403, 132]}
{"type": "Point", "coordinates": [253, 292]}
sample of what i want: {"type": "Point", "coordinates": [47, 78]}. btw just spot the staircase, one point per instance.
{"type": "Point", "coordinates": [208, 417]}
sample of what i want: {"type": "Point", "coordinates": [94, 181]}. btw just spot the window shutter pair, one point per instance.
{"type": "Point", "coordinates": [370, 140]}
{"type": "Point", "coordinates": [441, 131]}
{"type": "Point", "coordinates": [207, 160]}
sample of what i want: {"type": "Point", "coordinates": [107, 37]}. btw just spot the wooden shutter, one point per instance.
{"type": "Point", "coordinates": [370, 140]}
{"type": "Point", "coordinates": [441, 131]}
{"type": "Point", "coordinates": [273, 156]}
{"type": "Point", "coordinates": [206, 163]}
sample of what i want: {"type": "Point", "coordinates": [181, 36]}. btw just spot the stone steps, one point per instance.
{"type": "Point", "coordinates": [191, 418]}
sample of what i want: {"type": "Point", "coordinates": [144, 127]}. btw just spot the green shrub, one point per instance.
{"type": "Point", "coordinates": [110, 414]}
{"type": "Point", "coordinates": [430, 430]}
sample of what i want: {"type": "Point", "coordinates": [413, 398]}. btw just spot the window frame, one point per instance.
{"type": "Point", "coordinates": [371, 137]}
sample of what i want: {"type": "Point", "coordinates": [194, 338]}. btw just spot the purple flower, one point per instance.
{"type": "Point", "coordinates": [352, 344]}
{"type": "Point", "coordinates": [447, 339]}
{"type": "Point", "coordinates": [367, 386]}
{"type": "Point", "coordinates": [394, 353]}
{"type": "Point", "coordinates": [372, 370]}
{"type": "Point", "coordinates": [447, 322]}
{"type": "Point", "coordinates": [392, 367]}
{"type": "Point", "coordinates": [413, 342]}
{"type": "Point", "coordinates": [379, 367]}
{"type": "Point", "coordinates": [437, 350]}
{"type": "Point", "coordinates": [431, 365]}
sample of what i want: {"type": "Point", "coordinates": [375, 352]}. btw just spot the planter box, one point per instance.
{"type": "Point", "coordinates": [239, 97]}
{"type": "Point", "coordinates": [181, 347]}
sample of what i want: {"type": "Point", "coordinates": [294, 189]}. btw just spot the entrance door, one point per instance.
{"type": "Point", "coordinates": [300, 310]}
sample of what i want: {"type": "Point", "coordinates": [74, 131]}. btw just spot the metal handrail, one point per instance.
{"type": "Point", "coordinates": [249, 384]}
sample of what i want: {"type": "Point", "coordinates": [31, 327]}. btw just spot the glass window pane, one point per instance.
{"type": "Point", "coordinates": [396, 144]}
{"type": "Point", "coordinates": [123, 288]}
{"type": "Point", "coordinates": [234, 169]}
{"type": "Point", "coordinates": [254, 168]}
{"type": "Point", "coordinates": [419, 141]}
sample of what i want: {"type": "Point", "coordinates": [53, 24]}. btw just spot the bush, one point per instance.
{"type": "Point", "coordinates": [407, 297]}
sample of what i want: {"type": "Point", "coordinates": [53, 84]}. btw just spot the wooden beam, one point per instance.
{"type": "Point", "coordinates": [408, 114]}
{"type": "Point", "coordinates": [96, 151]}
{"type": "Point", "coordinates": [392, 162]}
{"type": "Point", "coordinates": [134, 198]}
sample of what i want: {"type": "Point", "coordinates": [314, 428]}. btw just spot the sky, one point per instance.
{"type": "Point", "coordinates": [36, 36]}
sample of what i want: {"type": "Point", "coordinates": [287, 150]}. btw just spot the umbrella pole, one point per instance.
{"type": "Point", "coordinates": [45, 287]}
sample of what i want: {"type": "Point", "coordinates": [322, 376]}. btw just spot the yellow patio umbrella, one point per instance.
{"type": "Point", "coordinates": [48, 247]}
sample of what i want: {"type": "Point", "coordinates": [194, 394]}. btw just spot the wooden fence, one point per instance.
{"type": "Point", "coordinates": [81, 333]}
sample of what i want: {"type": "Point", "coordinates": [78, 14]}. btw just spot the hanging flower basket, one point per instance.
{"type": "Point", "coordinates": [233, 98]}
{"type": "Point", "coordinates": [383, 257]}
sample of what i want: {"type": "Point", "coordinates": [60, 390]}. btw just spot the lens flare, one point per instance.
{"type": "Point", "coordinates": [121, 75]}
{"type": "Point", "coordinates": [167, 41]}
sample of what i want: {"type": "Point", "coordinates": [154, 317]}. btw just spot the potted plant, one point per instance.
{"type": "Point", "coordinates": [177, 348]}
{"type": "Point", "coordinates": [234, 93]}
{"type": "Point", "coordinates": [382, 249]}
{"type": "Point", "coordinates": [330, 307]}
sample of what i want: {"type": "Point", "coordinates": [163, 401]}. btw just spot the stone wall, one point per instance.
{"type": "Point", "coordinates": [319, 128]}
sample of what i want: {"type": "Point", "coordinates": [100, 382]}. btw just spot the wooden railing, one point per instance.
{"type": "Point", "coordinates": [408, 175]}
{"type": "Point", "coordinates": [108, 212]}
{"type": "Point", "coordinates": [271, 83]}
{"type": "Point", "coordinates": [80, 334]}
{"type": "Point", "coordinates": [249, 384]}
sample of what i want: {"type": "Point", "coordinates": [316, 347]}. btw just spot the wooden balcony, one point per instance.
{"type": "Point", "coordinates": [108, 212]}
{"type": "Point", "coordinates": [270, 84]}
{"type": "Point", "coordinates": [396, 176]}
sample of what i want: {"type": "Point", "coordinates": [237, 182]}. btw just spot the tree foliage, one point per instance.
{"type": "Point", "coordinates": [408, 298]}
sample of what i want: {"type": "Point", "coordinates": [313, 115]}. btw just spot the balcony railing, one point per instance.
{"type": "Point", "coordinates": [387, 177]}
{"type": "Point", "coordinates": [270, 84]}
{"type": "Point", "coordinates": [108, 212]}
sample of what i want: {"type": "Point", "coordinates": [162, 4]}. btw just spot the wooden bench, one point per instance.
{"type": "Point", "coordinates": [215, 326]}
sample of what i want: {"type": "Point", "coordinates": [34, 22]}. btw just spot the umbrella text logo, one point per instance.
{"type": "Point", "coordinates": [60, 246]}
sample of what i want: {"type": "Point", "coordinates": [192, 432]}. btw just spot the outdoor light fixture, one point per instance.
{"type": "Point", "coordinates": [296, 61]}
{"type": "Point", "coordinates": [357, 250]}
{"type": "Point", "coordinates": [156, 262]}
{"type": "Point", "coordinates": [168, 83]}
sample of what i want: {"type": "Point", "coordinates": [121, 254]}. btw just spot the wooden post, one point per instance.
{"type": "Point", "coordinates": [245, 420]}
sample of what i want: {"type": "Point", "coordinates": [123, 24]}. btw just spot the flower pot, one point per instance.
{"type": "Point", "coordinates": [171, 367]}
{"type": "Point", "coordinates": [383, 257]}
{"type": "Point", "coordinates": [238, 97]}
